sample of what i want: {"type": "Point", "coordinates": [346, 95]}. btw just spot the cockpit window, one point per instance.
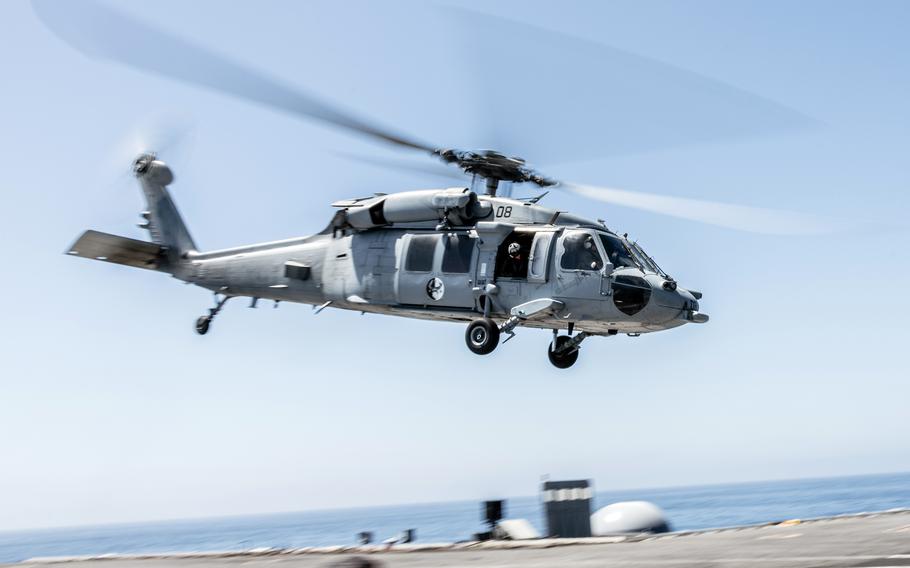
{"type": "Point", "coordinates": [617, 252]}
{"type": "Point", "coordinates": [646, 260]}
{"type": "Point", "coordinates": [640, 257]}
{"type": "Point", "coordinates": [580, 253]}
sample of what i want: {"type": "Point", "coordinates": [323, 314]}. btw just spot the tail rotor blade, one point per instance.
{"type": "Point", "coordinates": [167, 136]}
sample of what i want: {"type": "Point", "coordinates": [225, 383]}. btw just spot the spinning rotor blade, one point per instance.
{"type": "Point", "coordinates": [571, 99]}
{"type": "Point", "coordinates": [673, 106]}
{"type": "Point", "coordinates": [739, 217]}
{"type": "Point", "coordinates": [433, 169]}
{"type": "Point", "coordinates": [167, 137]}
{"type": "Point", "coordinates": [163, 136]}
{"type": "Point", "coordinates": [105, 33]}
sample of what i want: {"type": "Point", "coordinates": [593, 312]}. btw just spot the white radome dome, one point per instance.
{"type": "Point", "coordinates": [629, 517]}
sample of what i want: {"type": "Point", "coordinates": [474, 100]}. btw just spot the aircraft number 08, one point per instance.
{"type": "Point", "coordinates": [504, 211]}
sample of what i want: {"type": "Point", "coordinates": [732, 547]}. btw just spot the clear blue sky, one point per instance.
{"type": "Point", "coordinates": [113, 409]}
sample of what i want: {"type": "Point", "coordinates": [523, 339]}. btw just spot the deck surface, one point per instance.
{"type": "Point", "coordinates": [873, 540]}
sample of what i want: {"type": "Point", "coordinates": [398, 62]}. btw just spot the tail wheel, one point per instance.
{"type": "Point", "coordinates": [562, 359]}
{"type": "Point", "coordinates": [482, 336]}
{"type": "Point", "coordinates": [202, 325]}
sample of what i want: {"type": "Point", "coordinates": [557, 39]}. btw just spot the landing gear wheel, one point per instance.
{"type": "Point", "coordinates": [562, 359]}
{"type": "Point", "coordinates": [202, 325]}
{"type": "Point", "coordinates": [482, 336]}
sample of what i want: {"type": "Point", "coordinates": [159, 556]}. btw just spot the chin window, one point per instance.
{"type": "Point", "coordinates": [631, 294]}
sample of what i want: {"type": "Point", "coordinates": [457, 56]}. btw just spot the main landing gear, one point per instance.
{"type": "Point", "coordinates": [563, 350]}
{"type": "Point", "coordinates": [482, 337]}
{"type": "Point", "coordinates": [203, 322]}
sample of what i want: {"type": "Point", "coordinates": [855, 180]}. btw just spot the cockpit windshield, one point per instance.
{"type": "Point", "coordinates": [618, 253]}
{"type": "Point", "coordinates": [640, 257]}
{"type": "Point", "coordinates": [622, 252]}
{"type": "Point", "coordinates": [646, 260]}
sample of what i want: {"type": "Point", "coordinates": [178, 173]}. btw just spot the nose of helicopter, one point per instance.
{"type": "Point", "coordinates": [676, 300]}
{"type": "Point", "coordinates": [689, 300]}
{"type": "Point", "coordinates": [656, 299]}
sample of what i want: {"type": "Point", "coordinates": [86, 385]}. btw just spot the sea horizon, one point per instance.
{"type": "Point", "coordinates": [691, 507]}
{"type": "Point", "coordinates": [478, 501]}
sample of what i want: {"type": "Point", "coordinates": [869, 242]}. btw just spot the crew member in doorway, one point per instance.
{"type": "Point", "coordinates": [513, 265]}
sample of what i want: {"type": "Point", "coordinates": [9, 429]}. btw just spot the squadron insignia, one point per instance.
{"type": "Point", "coordinates": [435, 289]}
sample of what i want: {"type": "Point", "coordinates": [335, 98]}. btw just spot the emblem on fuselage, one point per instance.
{"type": "Point", "coordinates": [435, 289]}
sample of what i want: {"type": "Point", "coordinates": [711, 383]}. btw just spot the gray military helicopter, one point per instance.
{"type": "Point", "coordinates": [461, 254]}
{"type": "Point", "coordinates": [442, 254]}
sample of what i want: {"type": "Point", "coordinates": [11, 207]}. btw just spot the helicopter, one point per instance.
{"type": "Point", "coordinates": [467, 254]}
{"type": "Point", "coordinates": [451, 254]}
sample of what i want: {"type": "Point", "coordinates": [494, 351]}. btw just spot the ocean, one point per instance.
{"type": "Point", "coordinates": [686, 507]}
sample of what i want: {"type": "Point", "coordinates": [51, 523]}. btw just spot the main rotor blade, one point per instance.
{"type": "Point", "coordinates": [739, 217]}
{"type": "Point", "coordinates": [550, 97]}
{"type": "Point", "coordinates": [105, 33]}
{"type": "Point", "coordinates": [431, 168]}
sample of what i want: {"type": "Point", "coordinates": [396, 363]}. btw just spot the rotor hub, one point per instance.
{"type": "Point", "coordinates": [142, 163]}
{"type": "Point", "coordinates": [494, 167]}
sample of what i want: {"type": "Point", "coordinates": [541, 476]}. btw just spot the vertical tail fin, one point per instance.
{"type": "Point", "coordinates": [163, 220]}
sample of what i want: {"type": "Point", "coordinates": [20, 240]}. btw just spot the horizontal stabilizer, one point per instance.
{"type": "Point", "coordinates": [120, 250]}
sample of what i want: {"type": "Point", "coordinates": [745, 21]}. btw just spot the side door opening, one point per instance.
{"type": "Point", "coordinates": [513, 254]}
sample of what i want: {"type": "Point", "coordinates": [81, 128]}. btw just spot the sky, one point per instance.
{"type": "Point", "coordinates": [112, 409]}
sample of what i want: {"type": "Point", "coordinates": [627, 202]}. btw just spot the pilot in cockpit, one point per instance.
{"type": "Point", "coordinates": [590, 255]}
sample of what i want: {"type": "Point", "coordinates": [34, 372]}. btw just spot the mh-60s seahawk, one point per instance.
{"type": "Point", "coordinates": [439, 254]}
{"type": "Point", "coordinates": [462, 254]}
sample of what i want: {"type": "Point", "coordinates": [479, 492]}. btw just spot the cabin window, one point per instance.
{"type": "Point", "coordinates": [540, 253]}
{"type": "Point", "coordinates": [457, 253]}
{"type": "Point", "coordinates": [420, 253]}
{"type": "Point", "coordinates": [580, 252]}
